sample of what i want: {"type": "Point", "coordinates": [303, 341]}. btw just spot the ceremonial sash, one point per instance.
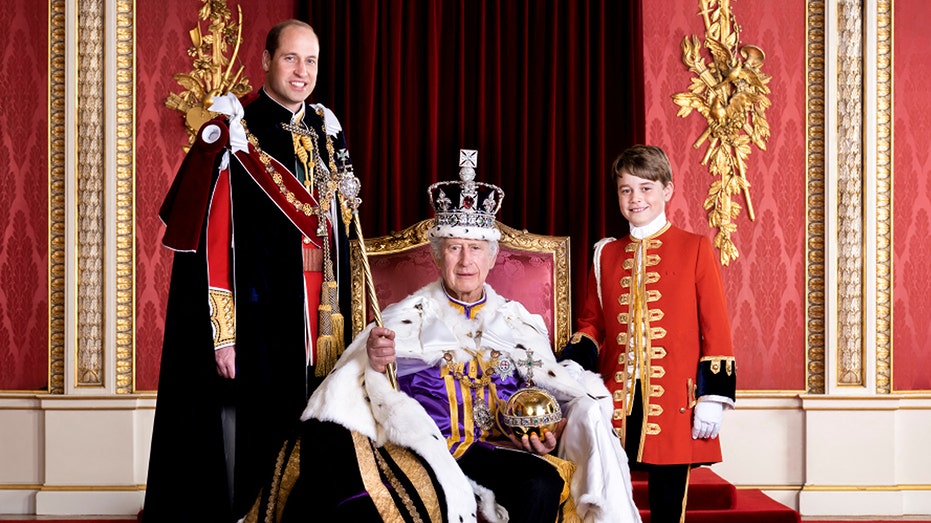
{"type": "Point", "coordinates": [282, 187]}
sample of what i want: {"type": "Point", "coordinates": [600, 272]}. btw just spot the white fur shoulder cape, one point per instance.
{"type": "Point", "coordinates": [359, 398]}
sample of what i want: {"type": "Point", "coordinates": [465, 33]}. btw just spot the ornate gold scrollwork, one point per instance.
{"type": "Point", "coordinates": [730, 93]}
{"type": "Point", "coordinates": [211, 75]}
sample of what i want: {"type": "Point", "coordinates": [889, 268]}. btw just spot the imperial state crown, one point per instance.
{"type": "Point", "coordinates": [465, 208]}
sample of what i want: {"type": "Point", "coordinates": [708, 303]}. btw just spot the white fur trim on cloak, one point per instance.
{"type": "Point", "coordinates": [359, 398]}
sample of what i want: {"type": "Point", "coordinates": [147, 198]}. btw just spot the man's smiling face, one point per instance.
{"type": "Point", "coordinates": [291, 74]}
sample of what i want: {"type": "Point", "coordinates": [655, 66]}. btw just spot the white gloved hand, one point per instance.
{"type": "Point", "coordinates": [706, 419]}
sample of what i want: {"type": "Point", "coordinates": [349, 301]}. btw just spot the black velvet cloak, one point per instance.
{"type": "Point", "coordinates": [187, 479]}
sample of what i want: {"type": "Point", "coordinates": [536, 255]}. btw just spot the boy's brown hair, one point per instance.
{"type": "Point", "coordinates": [643, 161]}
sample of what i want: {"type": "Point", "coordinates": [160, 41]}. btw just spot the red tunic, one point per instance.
{"type": "Point", "coordinates": [679, 304]}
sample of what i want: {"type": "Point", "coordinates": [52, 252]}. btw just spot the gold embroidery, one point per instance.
{"type": "Point", "coordinates": [653, 295]}
{"type": "Point", "coordinates": [371, 478]}
{"type": "Point", "coordinates": [291, 473]}
{"type": "Point", "coordinates": [619, 396]}
{"type": "Point", "coordinates": [419, 478]}
{"type": "Point", "coordinates": [622, 338]}
{"type": "Point", "coordinates": [657, 333]}
{"type": "Point", "coordinates": [625, 282]}
{"type": "Point", "coordinates": [623, 299]}
{"type": "Point", "coordinates": [652, 277]}
{"type": "Point", "coordinates": [657, 371]}
{"type": "Point", "coordinates": [479, 397]}
{"type": "Point", "coordinates": [395, 483]}
{"type": "Point", "coordinates": [655, 410]}
{"type": "Point", "coordinates": [728, 362]}
{"type": "Point", "coordinates": [658, 353]}
{"type": "Point", "coordinates": [651, 260]}
{"type": "Point", "coordinates": [623, 318]}
{"type": "Point", "coordinates": [566, 469]}
{"type": "Point", "coordinates": [656, 391]}
{"type": "Point", "coordinates": [628, 264]}
{"type": "Point", "coordinates": [656, 314]}
{"type": "Point", "coordinates": [652, 429]}
{"type": "Point", "coordinates": [222, 317]}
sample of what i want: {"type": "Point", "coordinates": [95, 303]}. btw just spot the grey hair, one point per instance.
{"type": "Point", "coordinates": [436, 243]}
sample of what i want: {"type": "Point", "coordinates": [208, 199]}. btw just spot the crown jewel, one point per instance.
{"type": "Point", "coordinates": [465, 208]}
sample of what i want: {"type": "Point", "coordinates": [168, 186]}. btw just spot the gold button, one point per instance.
{"type": "Point", "coordinates": [681, 410]}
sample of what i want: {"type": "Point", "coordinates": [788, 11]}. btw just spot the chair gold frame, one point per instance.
{"type": "Point", "coordinates": [513, 242]}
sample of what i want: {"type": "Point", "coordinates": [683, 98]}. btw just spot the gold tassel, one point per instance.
{"type": "Point", "coordinates": [326, 355]}
{"type": "Point", "coordinates": [337, 320]}
{"type": "Point", "coordinates": [303, 149]}
{"type": "Point", "coordinates": [330, 342]}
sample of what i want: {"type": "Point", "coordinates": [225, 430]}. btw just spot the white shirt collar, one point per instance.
{"type": "Point", "coordinates": [649, 229]}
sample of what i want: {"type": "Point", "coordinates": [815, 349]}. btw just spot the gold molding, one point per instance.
{"type": "Point", "coordinates": [90, 198]}
{"type": "Point", "coordinates": [125, 273]}
{"type": "Point", "coordinates": [834, 488]}
{"type": "Point", "coordinates": [56, 197]}
{"type": "Point", "coordinates": [213, 69]}
{"type": "Point", "coordinates": [730, 93]}
{"type": "Point", "coordinates": [851, 311]}
{"type": "Point", "coordinates": [815, 189]}
{"type": "Point", "coordinates": [884, 197]}
{"type": "Point", "coordinates": [865, 488]}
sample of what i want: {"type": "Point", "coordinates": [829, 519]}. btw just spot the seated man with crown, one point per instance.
{"type": "Point", "coordinates": [437, 441]}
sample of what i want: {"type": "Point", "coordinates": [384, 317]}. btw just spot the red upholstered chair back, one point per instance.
{"type": "Point", "coordinates": [532, 269]}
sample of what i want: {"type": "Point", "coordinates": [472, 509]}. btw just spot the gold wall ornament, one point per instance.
{"type": "Point", "coordinates": [730, 92]}
{"type": "Point", "coordinates": [211, 75]}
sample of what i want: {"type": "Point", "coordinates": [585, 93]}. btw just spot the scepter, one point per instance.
{"type": "Point", "coordinates": [349, 186]}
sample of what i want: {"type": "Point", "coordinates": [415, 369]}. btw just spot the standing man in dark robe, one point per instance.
{"type": "Point", "coordinates": [254, 320]}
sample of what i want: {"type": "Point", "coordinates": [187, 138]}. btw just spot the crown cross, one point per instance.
{"type": "Point", "coordinates": [530, 363]}
{"type": "Point", "coordinates": [465, 208]}
{"type": "Point", "coordinates": [468, 158]}
{"type": "Point", "coordinates": [343, 156]}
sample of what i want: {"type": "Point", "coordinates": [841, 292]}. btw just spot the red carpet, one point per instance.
{"type": "Point", "coordinates": [711, 499]}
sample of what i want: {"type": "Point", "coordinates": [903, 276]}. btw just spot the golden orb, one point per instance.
{"type": "Point", "coordinates": [532, 410]}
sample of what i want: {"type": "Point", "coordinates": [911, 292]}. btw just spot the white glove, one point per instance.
{"type": "Point", "coordinates": [706, 419]}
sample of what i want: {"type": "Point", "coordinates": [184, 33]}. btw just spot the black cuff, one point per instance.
{"type": "Point", "coordinates": [584, 352]}
{"type": "Point", "coordinates": [717, 376]}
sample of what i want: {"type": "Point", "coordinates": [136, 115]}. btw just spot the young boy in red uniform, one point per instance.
{"type": "Point", "coordinates": [655, 326]}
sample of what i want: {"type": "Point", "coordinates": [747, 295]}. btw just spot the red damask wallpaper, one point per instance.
{"type": "Point", "coordinates": [911, 201]}
{"type": "Point", "coordinates": [24, 197]}
{"type": "Point", "coordinates": [765, 285]}
{"type": "Point", "coordinates": [161, 51]}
